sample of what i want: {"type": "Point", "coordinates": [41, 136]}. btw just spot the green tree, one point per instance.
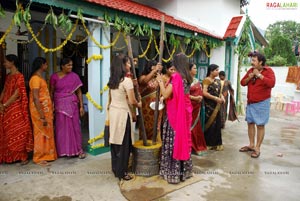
{"type": "Point", "coordinates": [288, 29]}
{"type": "Point", "coordinates": [280, 52]}
{"type": "Point", "coordinates": [282, 36]}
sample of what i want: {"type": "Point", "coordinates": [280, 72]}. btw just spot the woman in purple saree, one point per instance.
{"type": "Point", "coordinates": [67, 97]}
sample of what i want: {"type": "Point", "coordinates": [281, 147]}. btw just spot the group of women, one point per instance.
{"type": "Point", "coordinates": [27, 126]}
{"type": "Point", "coordinates": [179, 126]}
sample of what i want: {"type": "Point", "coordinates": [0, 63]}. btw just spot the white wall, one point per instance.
{"type": "Point", "coordinates": [218, 57]}
{"type": "Point", "coordinates": [11, 46]}
{"type": "Point", "coordinates": [211, 15]}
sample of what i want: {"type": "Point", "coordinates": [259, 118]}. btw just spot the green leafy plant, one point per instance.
{"type": "Point", "coordinates": [2, 12]}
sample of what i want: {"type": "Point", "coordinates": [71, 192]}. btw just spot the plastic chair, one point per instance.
{"type": "Point", "coordinates": [297, 107]}
{"type": "Point", "coordinates": [290, 108]}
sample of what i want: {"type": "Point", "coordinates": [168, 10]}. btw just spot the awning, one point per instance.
{"type": "Point", "coordinates": [133, 12]}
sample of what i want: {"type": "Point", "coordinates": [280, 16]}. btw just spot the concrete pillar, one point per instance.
{"type": "Point", "coordinates": [98, 75]}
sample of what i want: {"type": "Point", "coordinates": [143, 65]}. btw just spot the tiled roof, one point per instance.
{"type": "Point", "coordinates": [232, 27]}
{"type": "Point", "coordinates": [148, 12]}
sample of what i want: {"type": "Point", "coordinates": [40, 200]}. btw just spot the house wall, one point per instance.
{"type": "Point", "coordinates": [34, 50]}
{"type": "Point", "coordinates": [11, 47]}
{"type": "Point", "coordinates": [213, 16]}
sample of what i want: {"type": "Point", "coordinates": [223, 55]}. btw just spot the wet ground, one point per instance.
{"type": "Point", "coordinates": [227, 175]}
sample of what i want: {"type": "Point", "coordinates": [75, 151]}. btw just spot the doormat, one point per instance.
{"type": "Point", "coordinates": [150, 188]}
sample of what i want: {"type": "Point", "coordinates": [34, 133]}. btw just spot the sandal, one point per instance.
{"type": "Point", "coordinates": [255, 154]}
{"type": "Point", "coordinates": [24, 162]}
{"type": "Point", "coordinates": [82, 156]}
{"type": "Point", "coordinates": [127, 177]}
{"type": "Point", "coordinates": [43, 163]}
{"type": "Point", "coordinates": [246, 149]}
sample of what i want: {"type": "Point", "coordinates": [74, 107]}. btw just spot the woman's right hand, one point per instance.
{"type": "Point", "coordinates": [139, 105]}
{"type": "Point", "coordinates": [159, 78]}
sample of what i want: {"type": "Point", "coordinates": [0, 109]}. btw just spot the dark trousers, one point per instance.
{"type": "Point", "coordinates": [120, 153]}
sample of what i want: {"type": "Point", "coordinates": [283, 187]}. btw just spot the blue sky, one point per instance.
{"type": "Point", "coordinates": [262, 16]}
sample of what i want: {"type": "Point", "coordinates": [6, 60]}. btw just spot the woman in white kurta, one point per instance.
{"type": "Point", "coordinates": [120, 128]}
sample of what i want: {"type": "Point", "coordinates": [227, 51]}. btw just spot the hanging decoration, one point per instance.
{"type": "Point", "coordinates": [7, 32]}
{"type": "Point", "coordinates": [94, 57]}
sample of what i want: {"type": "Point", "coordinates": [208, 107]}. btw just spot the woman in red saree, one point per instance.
{"type": "Point", "coordinates": [196, 96]}
{"type": "Point", "coordinates": [41, 110]}
{"type": "Point", "coordinates": [15, 130]}
{"type": "Point", "coordinates": [176, 163]}
{"type": "Point", "coordinates": [148, 87]}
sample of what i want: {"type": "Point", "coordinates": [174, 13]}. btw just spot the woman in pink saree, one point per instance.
{"type": "Point", "coordinates": [176, 164]}
{"type": "Point", "coordinates": [68, 104]}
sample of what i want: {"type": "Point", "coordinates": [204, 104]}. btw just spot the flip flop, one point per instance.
{"type": "Point", "coordinates": [255, 154]}
{"type": "Point", "coordinates": [245, 149]}
{"type": "Point", "coordinates": [24, 162]}
{"type": "Point", "coordinates": [127, 177]}
{"type": "Point", "coordinates": [82, 156]}
{"type": "Point", "coordinates": [44, 163]}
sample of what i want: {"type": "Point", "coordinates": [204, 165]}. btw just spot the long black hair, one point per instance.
{"type": "Point", "coordinates": [148, 67]}
{"type": "Point", "coordinates": [211, 68]}
{"type": "Point", "coordinates": [181, 64]}
{"type": "Point", "coordinates": [191, 64]}
{"type": "Point", "coordinates": [117, 71]}
{"type": "Point", "coordinates": [14, 59]}
{"type": "Point", "coordinates": [37, 64]}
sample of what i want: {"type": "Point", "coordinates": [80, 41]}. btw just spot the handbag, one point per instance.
{"type": "Point", "coordinates": [106, 127]}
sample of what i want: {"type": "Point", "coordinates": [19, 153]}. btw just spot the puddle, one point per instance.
{"type": "Point", "coordinates": [288, 134]}
{"type": "Point", "coordinates": [61, 198]}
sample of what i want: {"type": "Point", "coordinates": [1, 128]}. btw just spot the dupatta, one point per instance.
{"type": "Point", "coordinates": [179, 111]}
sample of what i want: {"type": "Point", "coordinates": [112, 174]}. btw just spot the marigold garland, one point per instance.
{"type": "Point", "coordinates": [96, 42]}
{"type": "Point", "coordinates": [98, 137]}
{"type": "Point", "coordinates": [192, 53]}
{"type": "Point", "coordinates": [105, 88]}
{"type": "Point", "coordinates": [171, 55]}
{"type": "Point", "coordinates": [52, 49]}
{"type": "Point", "coordinates": [94, 57]}
{"type": "Point", "coordinates": [97, 146]}
{"type": "Point", "coordinates": [7, 32]}
{"type": "Point", "coordinates": [88, 96]}
{"type": "Point", "coordinates": [147, 48]}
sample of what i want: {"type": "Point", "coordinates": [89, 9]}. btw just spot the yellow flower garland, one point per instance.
{"type": "Point", "coordinates": [97, 146]}
{"type": "Point", "coordinates": [171, 55]}
{"type": "Point", "coordinates": [7, 32]}
{"type": "Point", "coordinates": [51, 49]}
{"type": "Point", "coordinates": [192, 53]}
{"type": "Point", "coordinates": [105, 88]}
{"type": "Point", "coordinates": [148, 46]}
{"type": "Point", "coordinates": [98, 137]}
{"type": "Point", "coordinates": [88, 96]}
{"type": "Point", "coordinates": [94, 57]}
{"type": "Point", "coordinates": [96, 42]}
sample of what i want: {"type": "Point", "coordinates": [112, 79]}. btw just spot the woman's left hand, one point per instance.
{"type": "Point", "coordinates": [81, 111]}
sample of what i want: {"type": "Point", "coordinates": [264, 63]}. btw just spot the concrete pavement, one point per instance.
{"type": "Point", "coordinates": [227, 175]}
